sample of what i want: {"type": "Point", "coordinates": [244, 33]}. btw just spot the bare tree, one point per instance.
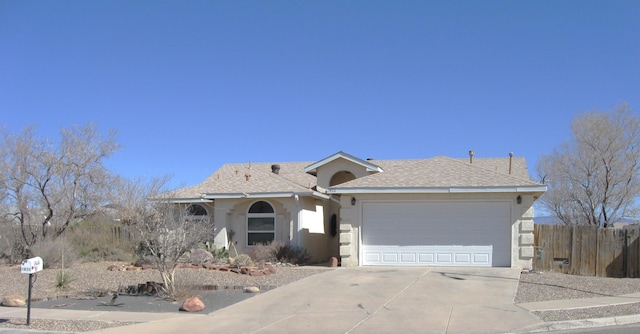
{"type": "Point", "coordinates": [593, 179]}
{"type": "Point", "coordinates": [46, 185]}
{"type": "Point", "coordinates": [167, 229]}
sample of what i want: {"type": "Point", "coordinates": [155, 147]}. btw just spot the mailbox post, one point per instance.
{"type": "Point", "coordinates": [31, 266]}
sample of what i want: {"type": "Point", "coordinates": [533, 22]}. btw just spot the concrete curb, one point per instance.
{"type": "Point", "coordinates": [582, 323]}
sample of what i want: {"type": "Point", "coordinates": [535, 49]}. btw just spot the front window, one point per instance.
{"type": "Point", "coordinates": [197, 213]}
{"type": "Point", "coordinates": [261, 224]}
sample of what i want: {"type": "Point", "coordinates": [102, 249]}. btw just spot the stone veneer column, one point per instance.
{"type": "Point", "coordinates": [526, 238]}
{"type": "Point", "coordinates": [348, 252]}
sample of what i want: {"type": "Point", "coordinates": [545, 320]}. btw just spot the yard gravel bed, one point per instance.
{"type": "Point", "coordinates": [94, 277]}
{"type": "Point", "coordinates": [91, 277]}
{"type": "Point", "coordinates": [535, 287]}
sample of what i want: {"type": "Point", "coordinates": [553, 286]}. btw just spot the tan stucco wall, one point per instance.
{"type": "Point", "coordinates": [328, 170]}
{"type": "Point", "coordinates": [311, 232]}
{"type": "Point", "coordinates": [521, 222]}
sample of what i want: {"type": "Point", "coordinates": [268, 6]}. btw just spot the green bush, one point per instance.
{"type": "Point", "coordinates": [64, 279]}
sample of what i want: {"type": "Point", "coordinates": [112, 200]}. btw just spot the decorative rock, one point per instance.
{"type": "Point", "coordinates": [193, 304]}
{"type": "Point", "coordinates": [133, 268]}
{"type": "Point", "coordinates": [200, 256]}
{"type": "Point", "coordinates": [252, 289]}
{"type": "Point", "coordinates": [115, 267]}
{"type": "Point", "coordinates": [256, 273]}
{"type": "Point", "coordinates": [333, 262]}
{"type": "Point", "coordinates": [14, 301]}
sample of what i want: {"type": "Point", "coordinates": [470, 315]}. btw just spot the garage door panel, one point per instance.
{"type": "Point", "coordinates": [437, 233]}
{"type": "Point", "coordinates": [479, 256]}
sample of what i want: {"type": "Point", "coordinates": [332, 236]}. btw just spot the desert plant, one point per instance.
{"type": "Point", "coordinates": [101, 241]}
{"type": "Point", "coordinates": [266, 252]}
{"type": "Point", "coordinates": [292, 254]}
{"type": "Point", "coordinates": [64, 279]}
{"type": "Point", "coordinates": [220, 254]}
{"type": "Point", "coordinates": [55, 253]}
{"type": "Point", "coordinates": [243, 260]}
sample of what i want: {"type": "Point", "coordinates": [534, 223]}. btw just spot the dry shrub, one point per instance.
{"type": "Point", "coordinates": [102, 242]}
{"type": "Point", "coordinates": [279, 252]}
{"type": "Point", "coordinates": [243, 260]}
{"type": "Point", "coordinates": [12, 247]}
{"type": "Point", "coordinates": [292, 254]}
{"type": "Point", "coordinates": [55, 253]}
{"type": "Point", "coordinates": [265, 252]}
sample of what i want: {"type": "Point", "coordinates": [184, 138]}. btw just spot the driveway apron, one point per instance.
{"type": "Point", "coordinates": [371, 300]}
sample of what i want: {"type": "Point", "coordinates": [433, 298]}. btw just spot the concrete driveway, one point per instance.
{"type": "Point", "coordinates": [370, 300]}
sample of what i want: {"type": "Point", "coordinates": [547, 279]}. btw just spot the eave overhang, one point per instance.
{"type": "Point", "coordinates": [535, 190]}
{"type": "Point", "coordinates": [265, 195]}
{"type": "Point", "coordinates": [190, 200]}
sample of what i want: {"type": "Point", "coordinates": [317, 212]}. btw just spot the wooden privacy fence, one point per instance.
{"type": "Point", "coordinates": [587, 250]}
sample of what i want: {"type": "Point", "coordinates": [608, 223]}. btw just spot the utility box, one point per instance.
{"type": "Point", "coordinates": [32, 265]}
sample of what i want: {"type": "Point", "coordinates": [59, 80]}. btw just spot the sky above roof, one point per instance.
{"type": "Point", "coordinates": [192, 85]}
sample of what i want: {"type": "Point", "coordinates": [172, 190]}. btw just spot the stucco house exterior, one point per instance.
{"type": "Point", "coordinates": [439, 211]}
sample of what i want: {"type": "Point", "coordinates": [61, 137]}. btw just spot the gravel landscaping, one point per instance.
{"type": "Point", "coordinates": [534, 287]}
{"type": "Point", "coordinates": [93, 277]}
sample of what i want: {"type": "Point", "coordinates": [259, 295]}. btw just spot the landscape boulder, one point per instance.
{"type": "Point", "coordinates": [201, 256]}
{"type": "Point", "coordinates": [192, 304]}
{"type": "Point", "coordinates": [14, 301]}
{"type": "Point", "coordinates": [252, 289]}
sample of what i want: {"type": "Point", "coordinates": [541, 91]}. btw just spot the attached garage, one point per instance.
{"type": "Point", "coordinates": [436, 233]}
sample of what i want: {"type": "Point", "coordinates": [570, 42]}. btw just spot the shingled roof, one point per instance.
{"type": "Point", "coordinates": [241, 179]}
{"type": "Point", "coordinates": [445, 172]}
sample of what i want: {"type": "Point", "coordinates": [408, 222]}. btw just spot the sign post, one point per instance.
{"type": "Point", "coordinates": [31, 266]}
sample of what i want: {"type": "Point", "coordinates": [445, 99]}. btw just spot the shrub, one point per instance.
{"type": "Point", "coordinates": [97, 254]}
{"type": "Point", "coordinates": [12, 248]}
{"type": "Point", "coordinates": [55, 253]}
{"type": "Point", "coordinates": [64, 279]}
{"type": "Point", "coordinates": [265, 252]}
{"type": "Point", "coordinates": [102, 241]}
{"type": "Point", "coordinates": [292, 254]}
{"type": "Point", "coordinates": [243, 260]}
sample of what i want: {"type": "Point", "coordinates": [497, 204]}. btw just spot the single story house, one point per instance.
{"type": "Point", "coordinates": [439, 211]}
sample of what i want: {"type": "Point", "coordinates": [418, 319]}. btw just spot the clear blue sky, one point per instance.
{"type": "Point", "coordinates": [190, 85]}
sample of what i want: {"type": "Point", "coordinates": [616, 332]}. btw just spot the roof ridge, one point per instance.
{"type": "Point", "coordinates": [511, 176]}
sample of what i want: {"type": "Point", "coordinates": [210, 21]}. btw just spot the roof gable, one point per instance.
{"type": "Point", "coordinates": [312, 169]}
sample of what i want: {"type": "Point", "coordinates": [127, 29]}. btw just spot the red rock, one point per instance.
{"type": "Point", "coordinates": [256, 273]}
{"type": "Point", "coordinates": [193, 304]}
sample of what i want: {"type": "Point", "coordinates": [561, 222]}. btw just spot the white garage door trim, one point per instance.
{"type": "Point", "coordinates": [436, 233]}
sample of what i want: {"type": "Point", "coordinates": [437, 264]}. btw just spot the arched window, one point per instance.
{"type": "Point", "coordinates": [261, 224]}
{"type": "Point", "coordinates": [197, 213]}
{"type": "Point", "coordinates": [341, 177]}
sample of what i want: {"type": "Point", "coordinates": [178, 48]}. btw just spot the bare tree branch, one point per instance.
{"type": "Point", "coordinates": [594, 178]}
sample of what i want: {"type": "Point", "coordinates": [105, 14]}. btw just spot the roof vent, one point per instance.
{"type": "Point", "coordinates": [471, 153]}
{"type": "Point", "coordinates": [275, 169]}
{"type": "Point", "coordinates": [510, 161]}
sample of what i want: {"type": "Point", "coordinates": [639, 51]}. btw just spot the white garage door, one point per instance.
{"type": "Point", "coordinates": [437, 233]}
